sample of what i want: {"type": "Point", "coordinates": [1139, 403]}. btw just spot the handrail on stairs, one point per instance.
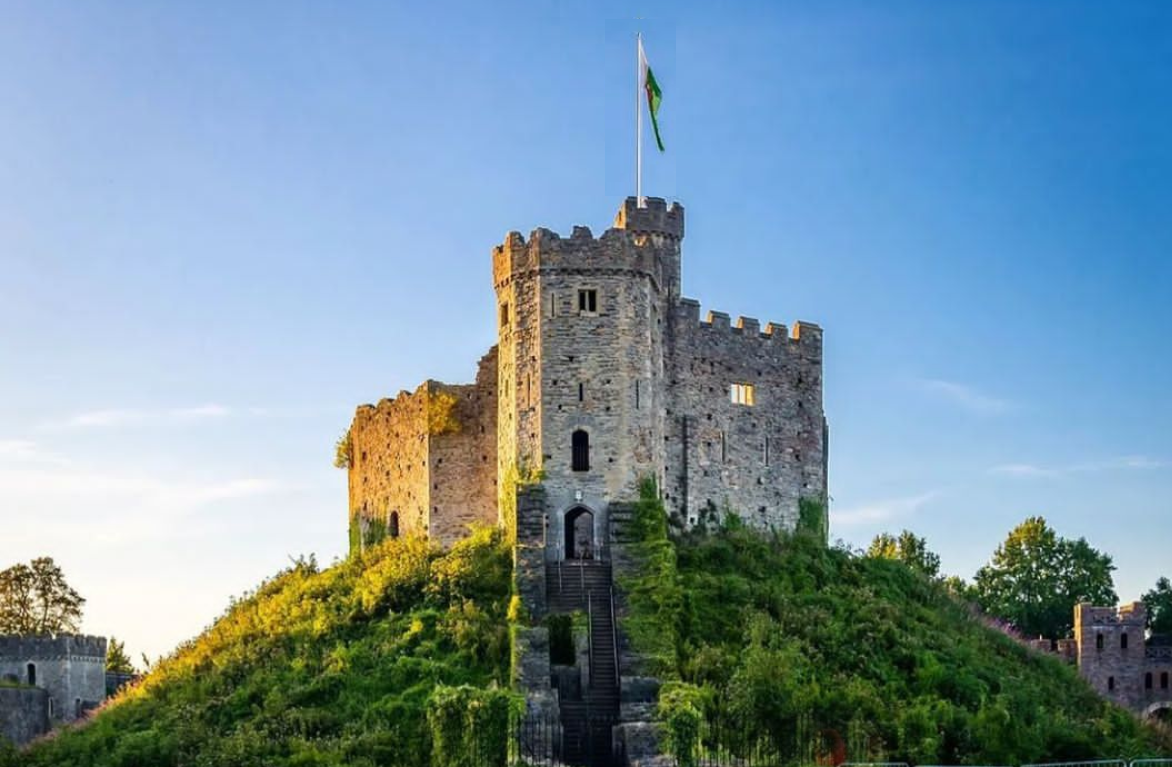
{"type": "Point", "coordinates": [590, 636]}
{"type": "Point", "coordinates": [614, 640]}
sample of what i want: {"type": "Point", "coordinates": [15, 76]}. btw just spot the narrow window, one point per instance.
{"type": "Point", "coordinates": [742, 394]}
{"type": "Point", "coordinates": [1123, 641]}
{"type": "Point", "coordinates": [580, 444]}
{"type": "Point", "coordinates": [636, 395]}
{"type": "Point", "coordinates": [767, 451]}
{"type": "Point", "coordinates": [32, 674]}
{"type": "Point", "coordinates": [529, 390]}
{"type": "Point", "coordinates": [1098, 641]}
{"type": "Point", "coordinates": [581, 392]}
{"type": "Point", "coordinates": [1111, 683]}
{"type": "Point", "coordinates": [588, 301]}
{"type": "Point", "coordinates": [1148, 681]}
{"type": "Point", "coordinates": [393, 525]}
{"type": "Point", "coordinates": [1164, 680]}
{"type": "Point", "coordinates": [723, 447]}
{"type": "Point", "coordinates": [553, 304]}
{"type": "Point", "coordinates": [505, 314]}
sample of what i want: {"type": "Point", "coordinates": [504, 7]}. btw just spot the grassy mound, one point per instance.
{"type": "Point", "coordinates": [824, 653]}
{"type": "Point", "coordinates": [331, 667]}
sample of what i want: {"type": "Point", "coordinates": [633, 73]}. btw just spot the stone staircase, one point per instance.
{"type": "Point", "coordinates": [587, 724]}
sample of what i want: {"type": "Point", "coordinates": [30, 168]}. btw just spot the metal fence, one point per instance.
{"type": "Point", "coordinates": [548, 741]}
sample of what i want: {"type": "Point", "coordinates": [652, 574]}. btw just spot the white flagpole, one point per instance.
{"type": "Point", "coordinates": [638, 120]}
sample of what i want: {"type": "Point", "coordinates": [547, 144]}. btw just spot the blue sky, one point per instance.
{"type": "Point", "coordinates": [222, 226]}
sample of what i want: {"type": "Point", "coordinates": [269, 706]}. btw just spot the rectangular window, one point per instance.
{"type": "Point", "coordinates": [742, 394]}
{"type": "Point", "coordinates": [553, 304]}
{"type": "Point", "coordinates": [581, 392]}
{"type": "Point", "coordinates": [636, 395]}
{"type": "Point", "coordinates": [767, 451]}
{"type": "Point", "coordinates": [587, 301]}
{"type": "Point", "coordinates": [505, 315]}
{"type": "Point", "coordinates": [724, 447]}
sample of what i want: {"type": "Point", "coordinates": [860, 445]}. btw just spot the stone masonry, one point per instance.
{"type": "Point", "coordinates": [1115, 657]}
{"type": "Point", "coordinates": [68, 671]}
{"type": "Point", "coordinates": [602, 375]}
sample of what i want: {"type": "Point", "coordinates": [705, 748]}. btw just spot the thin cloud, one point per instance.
{"type": "Point", "coordinates": [1120, 463]}
{"type": "Point", "coordinates": [880, 511]}
{"type": "Point", "coordinates": [125, 416]}
{"type": "Point", "coordinates": [26, 451]}
{"type": "Point", "coordinates": [967, 397]}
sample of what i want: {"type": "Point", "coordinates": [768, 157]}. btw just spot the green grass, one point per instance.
{"type": "Point", "coordinates": [332, 667]}
{"type": "Point", "coordinates": [781, 637]}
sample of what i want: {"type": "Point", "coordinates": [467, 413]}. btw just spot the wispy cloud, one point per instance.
{"type": "Point", "coordinates": [1120, 463]}
{"type": "Point", "coordinates": [880, 511]}
{"type": "Point", "coordinates": [963, 395]}
{"type": "Point", "coordinates": [124, 416]}
{"type": "Point", "coordinates": [26, 451]}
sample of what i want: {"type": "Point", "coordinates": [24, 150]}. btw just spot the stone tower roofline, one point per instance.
{"type": "Point", "coordinates": [1133, 614]}
{"type": "Point", "coordinates": [655, 217]}
{"type": "Point", "coordinates": [806, 336]}
{"type": "Point", "coordinates": [643, 241]}
{"type": "Point", "coordinates": [58, 647]}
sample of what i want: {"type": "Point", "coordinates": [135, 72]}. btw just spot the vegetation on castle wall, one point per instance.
{"type": "Point", "coordinates": [813, 519]}
{"type": "Point", "coordinates": [441, 414]}
{"type": "Point", "coordinates": [516, 477]}
{"type": "Point", "coordinates": [343, 451]}
{"type": "Point", "coordinates": [777, 637]}
{"type": "Point", "coordinates": [318, 667]}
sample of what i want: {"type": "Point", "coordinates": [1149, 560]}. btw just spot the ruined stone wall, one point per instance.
{"type": "Point", "coordinates": [72, 669]}
{"type": "Point", "coordinates": [427, 458]}
{"type": "Point", "coordinates": [463, 462]}
{"type": "Point", "coordinates": [389, 467]}
{"type": "Point", "coordinates": [24, 714]}
{"type": "Point", "coordinates": [757, 460]}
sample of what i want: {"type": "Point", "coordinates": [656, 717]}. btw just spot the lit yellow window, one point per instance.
{"type": "Point", "coordinates": [742, 394]}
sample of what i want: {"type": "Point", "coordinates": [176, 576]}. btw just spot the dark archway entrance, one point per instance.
{"type": "Point", "coordinates": [580, 534]}
{"type": "Point", "coordinates": [1160, 712]}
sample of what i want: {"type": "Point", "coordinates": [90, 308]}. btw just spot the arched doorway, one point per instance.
{"type": "Point", "coordinates": [1159, 712]}
{"type": "Point", "coordinates": [580, 534]}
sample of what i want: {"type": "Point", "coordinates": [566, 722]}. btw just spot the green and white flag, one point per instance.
{"type": "Point", "coordinates": [654, 95]}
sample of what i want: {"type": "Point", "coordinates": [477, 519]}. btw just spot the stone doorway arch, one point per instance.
{"type": "Point", "coordinates": [580, 543]}
{"type": "Point", "coordinates": [1159, 711]}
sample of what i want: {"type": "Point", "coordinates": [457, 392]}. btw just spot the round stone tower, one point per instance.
{"type": "Point", "coordinates": [581, 325]}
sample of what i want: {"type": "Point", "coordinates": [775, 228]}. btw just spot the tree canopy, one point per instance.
{"type": "Point", "coordinates": [907, 548]}
{"type": "Point", "coordinates": [117, 661]}
{"type": "Point", "coordinates": [36, 599]}
{"type": "Point", "coordinates": [1036, 578]}
{"type": "Point", "coordinates": [1159, 604]}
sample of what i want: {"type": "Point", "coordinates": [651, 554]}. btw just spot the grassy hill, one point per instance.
{"type": "Point", "coordinates": [318, 667]}
{"type": "Point", "coordinates": [825, 651]}
{"type": "Point", "coordinates": [760, 635]}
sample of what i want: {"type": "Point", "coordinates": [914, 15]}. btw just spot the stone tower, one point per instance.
{"type": "Point", "coordinates": [581, 362]}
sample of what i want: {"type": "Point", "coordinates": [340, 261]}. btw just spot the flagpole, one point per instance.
{"type": "Point", "coordinates": [638, 120]}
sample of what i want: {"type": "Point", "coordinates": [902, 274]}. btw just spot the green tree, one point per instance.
{"type": "Point", "coordinates": [117, 660]}
{"type": "Point", "coordinates": [1159, 604]}
{"type": "Point", "coordinates": [1036, 578]}
{"type": "Point", "coordinates": [907, 548]}
{"type": "Point", "coordinates": [36, 599]}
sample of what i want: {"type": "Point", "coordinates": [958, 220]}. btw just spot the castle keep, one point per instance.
{"type": "Point", "coordinates": [602, 375]}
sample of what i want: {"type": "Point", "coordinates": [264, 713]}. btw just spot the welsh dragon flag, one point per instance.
{"type": "Point", "coordinates": [654, 95]}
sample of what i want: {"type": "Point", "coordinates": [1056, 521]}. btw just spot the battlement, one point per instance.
{"type": "Point", "coordinates": [655, 216]}
{"type": "Point", "coordinates": [1134, 614]}
{"type": "Point", "coordinates": [62, 646]}
{"type": "Point", "coordinates": [643, 240]}
{"type": "Point", "coordinates": [805, 335]}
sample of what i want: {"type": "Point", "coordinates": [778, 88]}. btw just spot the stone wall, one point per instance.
{"type": "Point", "coordinates": [71, 669]}
{"type": "Point", "coordinates": [754, 459]}
{"type": "Point", "coordinates": [426, 460]}
{"type": "Point", "coordinates": [24, 714]}
{"type": "Point", "coordinates": [389, 461]}
{"type": "Point", "coordinates": [1113, 656]}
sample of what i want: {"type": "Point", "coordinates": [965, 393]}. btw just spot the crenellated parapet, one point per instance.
{"type": "Point", "coordinates": [73, 647]}
{"type": "Point", "coordinates": [655, 216]}
{"type": "Point", "coordinates": [805, 339]}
